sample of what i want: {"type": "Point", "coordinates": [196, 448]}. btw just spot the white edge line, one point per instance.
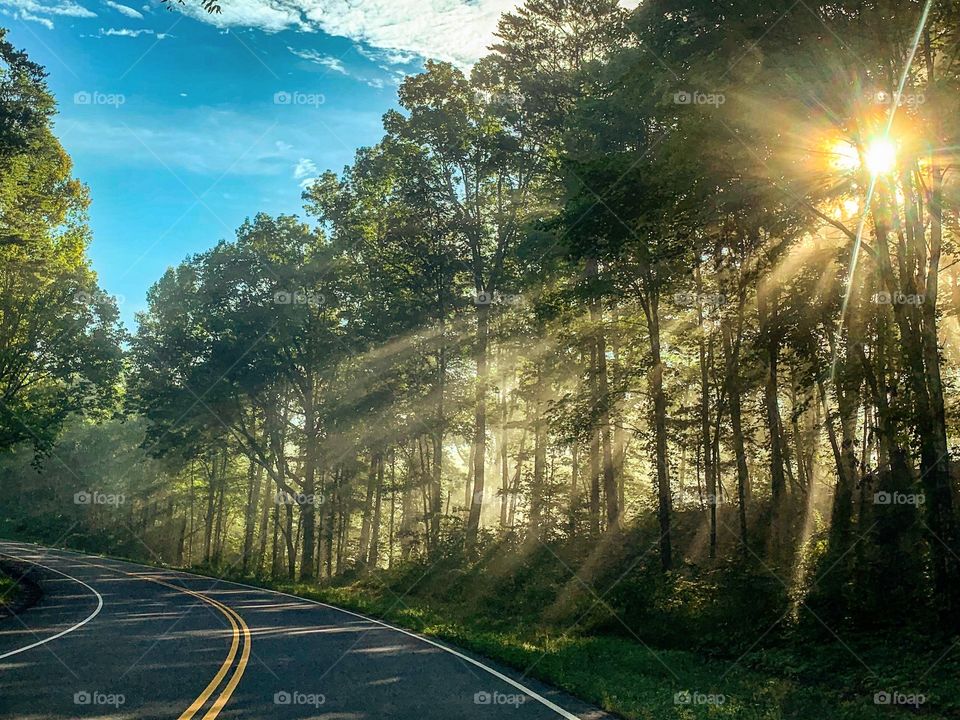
{"type": "Point", "coordinates": [510, 681]}
{"type": "Point", "coordinates": [69, 630]}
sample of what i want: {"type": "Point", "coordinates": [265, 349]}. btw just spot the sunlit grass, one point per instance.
{"type": "Point", "coordinates": [635, 680]}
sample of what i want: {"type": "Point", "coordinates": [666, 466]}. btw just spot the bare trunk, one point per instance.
{"type": "Point", "coordinates": [480, 424]}
{"type": "Point", "coordinates": [374, 554]}
{"type": "Point", "coordinates": [664, 498]}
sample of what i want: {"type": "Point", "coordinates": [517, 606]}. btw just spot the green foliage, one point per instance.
{"type": "Point", "coordinates": [59, 334]}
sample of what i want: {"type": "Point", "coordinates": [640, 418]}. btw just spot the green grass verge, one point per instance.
{"type": "Point", "coordinates": [10, 592]}
{"type": "Point", "coordinates": [635, 681]}
{"type": "Point", "coordinates": [802, 680]}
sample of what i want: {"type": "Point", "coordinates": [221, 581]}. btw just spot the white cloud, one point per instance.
{"type": "Point", "coordinates": [127, 32]}
{"type": "Point", "coordinates": [46, 22]}
{"type": "Point", "coordinates": [306, 172]}
{"type": "Point", "coordinates": [328, 61]}
{"type": "Point", "coordinates": [391, 57]}
{"type": "Point", "coordinates": [35, 11]}
{"type": "Point", "coordinates": [304, 168]}
{"type": "Point", "coordinates": [455, 30]}
{"type": "Point", "coordinates": [124, 10]}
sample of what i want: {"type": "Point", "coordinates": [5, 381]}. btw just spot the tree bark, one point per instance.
{"type": "Point", "coordinates": [480, 424]}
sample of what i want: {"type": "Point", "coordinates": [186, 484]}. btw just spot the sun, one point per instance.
{"type": "Point", "coordinates": [880, 156]}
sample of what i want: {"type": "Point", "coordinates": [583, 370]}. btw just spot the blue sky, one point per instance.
{"type": "Point", "coordinates": [183, 124]}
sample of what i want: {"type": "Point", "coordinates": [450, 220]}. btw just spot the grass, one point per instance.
{"type": "Point", "coordinates": [657, 642]}
{"type": "Point", "coordinates": [10, 592]}
{"type": "Point", "coordinates": [626, 677]}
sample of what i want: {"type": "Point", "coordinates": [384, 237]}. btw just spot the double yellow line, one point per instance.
{"type": "Point", "coordinates": [240, 636]}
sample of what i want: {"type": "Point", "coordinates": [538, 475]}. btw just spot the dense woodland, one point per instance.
{"type": "Point", "coordinates": [669, 293]}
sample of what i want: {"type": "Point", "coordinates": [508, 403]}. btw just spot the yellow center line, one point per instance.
{"type": "Point", "coordinates": [238, 673]}
{"type": "Point", "coordinates": [237, 626]}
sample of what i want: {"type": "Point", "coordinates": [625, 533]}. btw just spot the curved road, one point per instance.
{"type": "Point", "coordinates": [112, 640]}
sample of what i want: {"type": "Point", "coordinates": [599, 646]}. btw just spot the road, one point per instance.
{"type": "Point", "coordinates": [112, 639]}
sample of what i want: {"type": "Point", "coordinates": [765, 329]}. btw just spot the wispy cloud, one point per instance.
{"type": "Point", "coordinates": [390, 57]}
{"type": "Point", "coordinates": [207, 141]}
{"type": "Point", "coordinates": [124, 10]}
{"type": "Point", "coordinates": [130, 33]}
{"type": "Point", "coordinates": [34, 11]}
{"type": "Point", "coordinates": [328, 61]}
{"type": "Point", "coordinates": [305, 171]}
{"type": "Point", "coordinates": [46, 22]}
{"type": "Point", "coordinates": [455, 30]}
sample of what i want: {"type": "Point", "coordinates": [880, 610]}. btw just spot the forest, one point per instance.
{"type": "Point", "coordinates": [641, 338]}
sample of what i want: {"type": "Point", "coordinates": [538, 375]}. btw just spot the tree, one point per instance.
{"type": "Point", "coordinates": [59, 334]}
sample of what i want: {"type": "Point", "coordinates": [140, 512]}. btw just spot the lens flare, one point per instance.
{"type": "Point", "coordinates": [880, 157]}
{"type": "Point", "coordinates": [845, 156]}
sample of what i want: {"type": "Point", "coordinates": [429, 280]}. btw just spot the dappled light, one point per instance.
{"type": "Point", "coordinates": [625, 354]}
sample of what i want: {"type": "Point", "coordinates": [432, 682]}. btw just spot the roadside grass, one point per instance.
{"type": "Point", "coordinates": [10, 592]}
{"type": "Point", "coordinates": [630, 679]}
{"type": "Point", "coordinates": [641, 671]}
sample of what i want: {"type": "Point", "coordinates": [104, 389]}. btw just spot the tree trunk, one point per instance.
{"type": "Point", "coordinates": [368, 509]}
{"type": "Point", "coordinates": [480, 424]}
{"type": "Point", "coordinates": [264, 529]}
{"type": "Point", "coordinates": [308, 506]}
{"type": "Point", "coordinates": [610, 491]}
{"type": "Point", "coordinates": [709, 470]}
{"type": "Point", "coordinates": [594, 448]}
{"type": "Point", "coordinates": [664, 499]}
{"type": "Point", "coordinates": [374, 554]}
{"type": "Point", "coordinates": [254, 480]}
{"type": "Point", "coordinates": [732, 352]}
{"type": "Point", "coordinates": [768, 318]}
{"type": "Point", "coordinates": [537, 484]}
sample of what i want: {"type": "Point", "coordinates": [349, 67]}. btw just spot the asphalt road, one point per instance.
{"type": "Point", "coordinates": [112, 639]}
